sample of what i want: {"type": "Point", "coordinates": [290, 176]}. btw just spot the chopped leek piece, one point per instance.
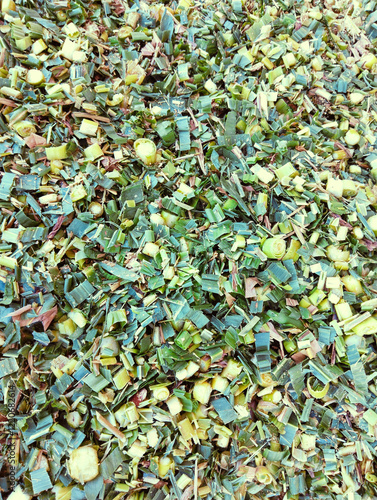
{"type": "Point", "coordinates": [146, 151]}
{"type": "Point", "coordinates": [93, 152]}
{"type": "Point", "coordinates": [35, 77]}
{"type": "Point", "coordinates": [202, 392]}
{"type": "Point", "coordinates": [316, 392]}
{"type": "Point", "coordinates": [83, 464]}
{"type": "Point", "coordinates": [274, 248]}
{"type": "Point", "coordinates": [88, 127]}
{"type": "Point", "coordinates": [24, 128]}
{"type": "Point", "coordinates": [57, 153]}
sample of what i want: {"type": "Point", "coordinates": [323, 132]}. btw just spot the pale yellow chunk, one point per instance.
{"type": "Point", "coordinates": [83, 464]}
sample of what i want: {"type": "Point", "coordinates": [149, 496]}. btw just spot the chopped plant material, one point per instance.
{"type": "Point", "coordinates": [188, 271]}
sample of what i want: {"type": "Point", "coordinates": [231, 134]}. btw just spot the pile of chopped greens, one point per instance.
{"type": "Point", "coordinates": [188, 247]}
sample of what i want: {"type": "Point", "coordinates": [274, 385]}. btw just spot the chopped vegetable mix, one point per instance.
{"type": "Point", "coordinates": [188, 273]}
